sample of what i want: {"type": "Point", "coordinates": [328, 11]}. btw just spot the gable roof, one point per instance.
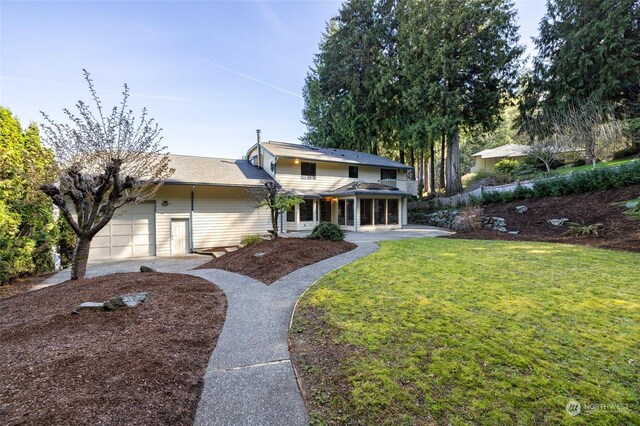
{"type": "Point", "coordinates": [305, 152]}
{"type": "Point", "coordinates": [508, 150]}
{"type": "Point", "coordinates": [191, 170]}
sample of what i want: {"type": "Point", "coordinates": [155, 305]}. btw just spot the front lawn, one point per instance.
{"type": "Point", "coordinates": [438, 331]}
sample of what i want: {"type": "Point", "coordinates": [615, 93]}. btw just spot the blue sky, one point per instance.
{"type": "Point", "coordinates": [210, 72]}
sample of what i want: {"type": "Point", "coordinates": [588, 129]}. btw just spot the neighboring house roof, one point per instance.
{"type": "Point", "coordinates": [365, 188]}
{"type": "Point", "coordinates": [509, 150]}
{"type": "Point", "coordinates": [305, 152]}
{"type": "Point", "coordinates": [191, 170]}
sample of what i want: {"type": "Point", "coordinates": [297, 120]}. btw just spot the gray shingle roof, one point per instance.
{"type": "Point", "coordinates": [509, 150]}
{"type": "Point", "coordinates": [294, 150]}
{"type": "Point", "coordinates": [214, 171]}
{"type": "Point", "coordinates": [365, 188]}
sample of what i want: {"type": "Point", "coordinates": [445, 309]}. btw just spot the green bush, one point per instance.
{"type": "Point", "coordinates": [247, 240]}
{"type": "Point", "coordinates": [66, 242]}
{"type": "Point", "coordinates": [327, 231]}
{"type": "Point", "coordinates": [626, 152]}
{"type": "Point", "coordinates": [506, 166]}
{"type": "Point", "coordinates": [575, 183]}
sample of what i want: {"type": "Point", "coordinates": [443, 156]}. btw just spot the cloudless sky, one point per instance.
{"type": "Point", "coordinates": [210, 72]}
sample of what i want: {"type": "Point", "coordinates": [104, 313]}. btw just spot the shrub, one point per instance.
{"type": "Point", "coordinates": [247, 240]}
{"type": "Point", "coordinates": [506, 166]}
{"type": "Point", "coordinates": [626, 152]}
{"type": "Point", "coordinates": [582, 230]}
{"type": "Point", "coordinates": [539, 165]}
{"type": "Point", "coordinates": [327, 231]}
{"type": "Point", "coordinates": [525, 171]}
{"type": "Point", "coordinates": [575, 183]}
{"type": "Point", "coordinates": [66, 242]}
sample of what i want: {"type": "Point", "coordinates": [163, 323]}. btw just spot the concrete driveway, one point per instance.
{"type": "Point", "coordinates": [177, 264]}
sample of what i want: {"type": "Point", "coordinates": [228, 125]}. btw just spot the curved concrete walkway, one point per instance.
{"type": "Point", "coordinates": [249, 378]}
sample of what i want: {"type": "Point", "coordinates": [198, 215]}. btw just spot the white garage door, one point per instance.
{"type": "Point", "coordinates": [130, 233]}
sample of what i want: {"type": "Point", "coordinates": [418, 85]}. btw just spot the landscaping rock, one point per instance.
{"type": "Point", "coordinates": [632, 204]}
{"type": "Point", "coordinates": [514, 232]}
{"type": "Point", "coordinates": [495, 223]}
{"type": "Point", "coordinates": [557, 222]}
{"type": "Point", "coordinates": [258, 254]}
{"type": "Point", "coordinates": [126, 300]}
{"type": "Point", "coordinates": [521, 209]}
{"type": "Point", "coordinates": [147, 269]}
{"type": "Point", "coordinates": [91, 305]}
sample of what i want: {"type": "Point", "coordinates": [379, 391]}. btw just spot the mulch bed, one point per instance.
{"type": "Point", "coordinates": [281, 257]}
{"type": "Point", "coordinates": [23, 284]}
{"type": "Point", "coordinates": [620, 231]}
{"type": "Point", "coordinates": [142, 365]}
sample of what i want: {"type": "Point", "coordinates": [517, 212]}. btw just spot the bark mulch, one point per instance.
{"type": "Point", "coordinates": [23, 284]}
{"type": "Point", "coordinates": [620, 231]}
{"type": "Point", "coordinates": [142, 365]}
{"type": "Point", "coordinates": [280, 257]}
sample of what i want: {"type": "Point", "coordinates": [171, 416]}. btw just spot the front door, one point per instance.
{"type": "Point", "coordinates": [179, 236]}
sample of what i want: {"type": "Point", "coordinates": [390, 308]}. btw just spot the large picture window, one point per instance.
{"type": "Point", "coordinates": [325, 210]}
{"type": "Point", "coordinates": [306, 211]}
{"type": "Point", "coordinates": [308, 170]}
{"type": "Point", "coordinates": [392, 212]}
{"type": "Point", "coordinates": [379, 212]}
{"type": "Point", "coordinates": [366, 205]}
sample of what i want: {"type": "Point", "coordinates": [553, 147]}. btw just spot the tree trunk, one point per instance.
{"type": "Point", "coordinates": [432, 169]}
{"type": "Point", "coordinates": [412, 158]}
{"type": "Point", "coordinates": [426, 175]}
{"type": "Point", "coordinates": [402, 156]}
{"type": "Point", "coordinates": [442, 158]}
{"type": "Point", "coordinates": [420, 173]}
{"type": "Point", "coordinates": [274, 224]}
{"type": "Point", "coordinates": [80, 258]}
{"type": "Point", "coordinates": [453, 180]}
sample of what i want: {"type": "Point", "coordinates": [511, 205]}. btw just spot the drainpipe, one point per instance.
{"type": "Point", "coordinates": [193, 188]}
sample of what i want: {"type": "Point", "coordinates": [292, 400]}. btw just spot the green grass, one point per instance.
{"type": "Point", "coordinates": [564, 171]}
{"type": "Point", "coordinates": [478, 332]}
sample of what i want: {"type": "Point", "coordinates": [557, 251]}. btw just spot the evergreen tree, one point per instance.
{"type": "Point", "coordinates": [460, 62]}
{"type": "Point", "coordinates": [587, 50]}
{"type": "Point", "coordinates": [27, 226]}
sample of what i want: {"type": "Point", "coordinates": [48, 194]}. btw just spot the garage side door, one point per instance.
{"type": "Point", "coordinates": [131, 233]}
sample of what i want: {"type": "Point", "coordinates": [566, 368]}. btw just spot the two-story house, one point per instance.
{"type": "Point", "coordinates": [212, 202]}
{"type": "Point", "coordinates": [355, 190]}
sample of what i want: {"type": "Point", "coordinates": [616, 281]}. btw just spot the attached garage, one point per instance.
{"type": "Point", "coordinates": [131, 233]}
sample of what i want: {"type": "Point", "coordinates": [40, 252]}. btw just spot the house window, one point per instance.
{"type": "Point", "coordinates": [379, 212]}
{"type": "Point", "coordinates": [306, 211]}
{"type": "Point", "coordinates": [388, 174]}
{"type": "Point", "coordinates": [341, 212]}
{"type": "Point", "coordinates": [366, 205]}
{"type": "Point", "coordinates": [392, 212]}
{"type": "Point", "coordinates": [325, 210]}
{"type": "Point", "coordinates": [353, 172]}
{"type": "Point", "coordinates": [350, 213]}
{"type": "Point", "coordinates": [291, 214]}
{"type": "Point", "coordinates": [308, 170]}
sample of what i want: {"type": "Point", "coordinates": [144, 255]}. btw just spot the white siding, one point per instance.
{"type": "Point", "coordinates": [328, 175]}
{"type": "Point", "coordinates": [222, 216]}
{"type": "Point", "coordinates": [266, 159]}
{"type": "Point", "coordinates": [178, 200]}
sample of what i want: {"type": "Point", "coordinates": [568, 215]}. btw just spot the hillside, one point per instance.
{"type": "Point", "coordinates": [619, 231]}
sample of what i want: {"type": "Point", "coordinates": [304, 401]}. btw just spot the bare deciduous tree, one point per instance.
{"type": "Point", "coordinates": [104, 161]}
